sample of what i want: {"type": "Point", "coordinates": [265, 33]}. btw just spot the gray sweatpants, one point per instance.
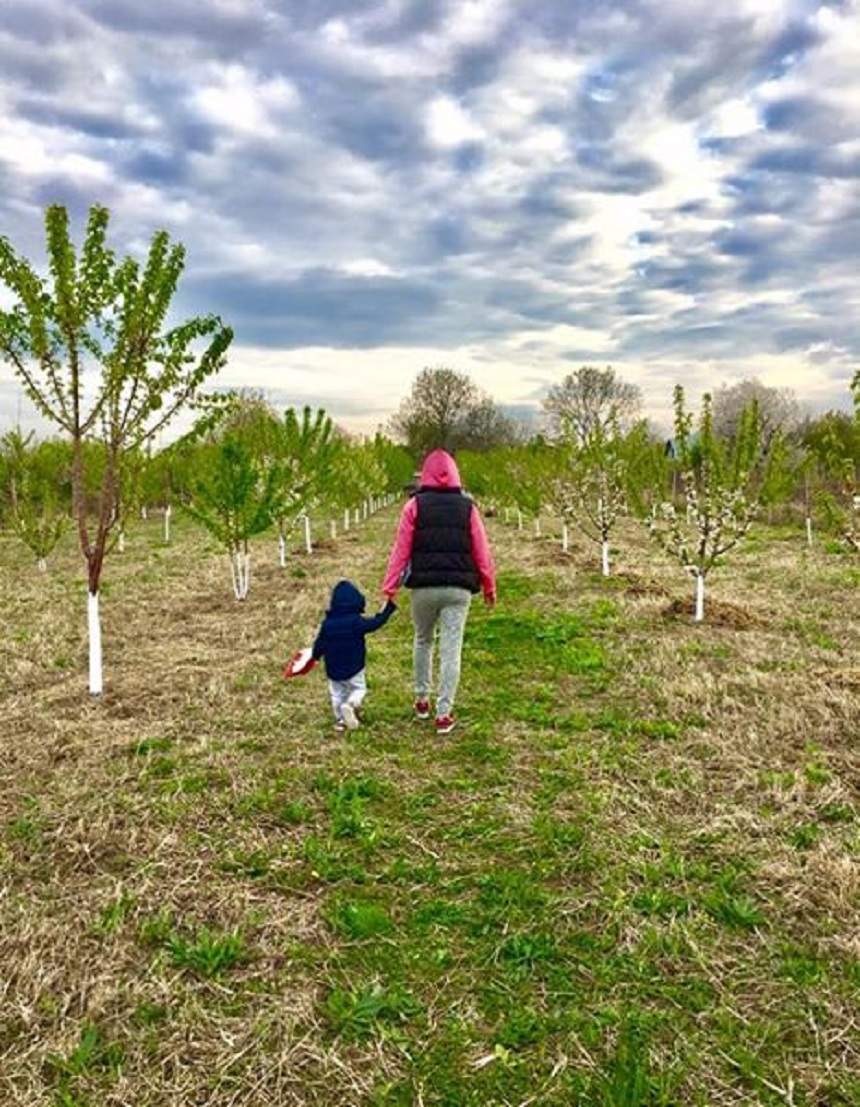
{"type": "Point", "coordinates": [449, 607]}
{"type": "Point", "coordinates": [350, 691]}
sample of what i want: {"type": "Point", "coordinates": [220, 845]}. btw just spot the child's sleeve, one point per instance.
{"type": "Point", "coordinates": [319, 645]}
{"type": "Point", "coordinates": [368, 626]}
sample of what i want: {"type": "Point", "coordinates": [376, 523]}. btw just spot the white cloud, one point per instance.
{"type": "Point", "coordinates": [546, 179]}
{"type": "Point", "coordinates": [366, 267]}
{"type": "Point", "coordinates": [236, 99]}
{"type": "Point", "coordinates": [732, 118]}
{"type": "Point", "coordinates": [448, 124]}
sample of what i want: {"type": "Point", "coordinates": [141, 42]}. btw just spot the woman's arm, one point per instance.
{"type": "Point", "coordinates": [482, 555]}
{"type": "Point", "coordinates": [401, 551]}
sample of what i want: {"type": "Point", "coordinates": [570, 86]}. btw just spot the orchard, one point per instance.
{"type": "Point", "coordinates": [630, 878]}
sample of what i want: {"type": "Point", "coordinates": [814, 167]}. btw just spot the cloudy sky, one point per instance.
{"type": "Point", "coordinates": [509, 187]}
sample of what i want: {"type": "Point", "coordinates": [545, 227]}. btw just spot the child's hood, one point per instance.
{"type": "Point", "coordinates": [346, 599]}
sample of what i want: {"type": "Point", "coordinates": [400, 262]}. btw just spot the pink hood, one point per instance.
{"type": "Point", "coordinates": [440, 471]}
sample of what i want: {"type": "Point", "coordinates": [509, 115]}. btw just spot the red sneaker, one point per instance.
{"type": "Point", "coordinates": [422, 709]}
{"type": "Point", "coordinates": [445, 724]}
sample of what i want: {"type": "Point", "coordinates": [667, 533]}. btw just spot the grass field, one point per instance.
{"type": "Point", "coordinates": [631, 878]}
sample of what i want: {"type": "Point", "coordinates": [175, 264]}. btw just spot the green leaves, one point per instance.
{"type": "Point", "coordinates": [232, 493]}
{"type": "Point", "coordinates": [110, 315]}
{"type": "Point", "coordinates": [34, 491]}
{"type": "Point", "coordinates": [304, 452]}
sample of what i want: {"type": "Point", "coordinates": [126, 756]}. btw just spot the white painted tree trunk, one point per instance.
{"type": "Point", "coordinates": [346, 519]}
{"type": "Point", "coordinates": [168, 511]}
{"type": "Point", "coordinates": [308, 544]}
{"type": "Point", "coordinates": [143, 514]}
{"type": "Point", "coordinates": [240, 573]}
{"type": "Point", "coordinates": [357, 516]}
{"type": "Point", "coordinates": [332, 527]}
{"type": "Point", "coordinates": [519, 519]}
{"type": "Point", "coordinates": [604, 558]}
{"type": "Point", "coordinates": [537, 528]}
{"type": "Point", "coordinates": [565, 538]}
{"type": "Point", "coordinates": [282, 551]}
{"type": "Point", "coordinates": [507, 514]}
{"type": "Point", "coordinates": [120, 545]}
{"type": "Point", "coordinates": [42, 565]}
{"type": "Point", "coordinates": [808, 531]}
{"type": "Point", "coordinates": [700, 598]}
{"type": "Point", "coordinates": [94, 634]}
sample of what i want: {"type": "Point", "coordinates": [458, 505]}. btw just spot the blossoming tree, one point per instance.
{"type": "Point", "coordinates": [722, 484]}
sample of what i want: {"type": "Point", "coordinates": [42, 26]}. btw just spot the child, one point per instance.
{"type": "Point", "coordinates": [341, 642]}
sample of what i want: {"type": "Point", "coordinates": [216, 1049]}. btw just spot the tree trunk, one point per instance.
{"type": "Point", "coordinates": [282, 550]}
{"type": "Point", "coordinates": [308, 544]}
{"type": "Point", "coordinates": [700, 598]}
{"type": "Point", "coordinates": [346, 519]}
{"type": "Point", "coordinates": [94, 633]}
{"type": "Point", "coordinates": [120, 544]}
{"type": "Point", "coordinates": [143, 513]}
{"type": "Point", "coordinates": [537, 527]}
{"type": "Point", "coordinates": [604, 557]}
{"type": "Point", "coordinates": [519, 519]}
{"type": "Point", "coordinates": [42, 565]}
{"type": "Point", "coordinates": [808, 531]}
{"type": "Point", "coordinates": [565, 540]}
{"type": "Point", "coordinates": [240, 573]}
{"type": "Point", "coordinates": [333, 529]}
{"type": "Point", "coordinates": [167, 514]}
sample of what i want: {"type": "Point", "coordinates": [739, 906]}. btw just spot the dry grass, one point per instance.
{"type": "Point", "coordinates": [191, 795]}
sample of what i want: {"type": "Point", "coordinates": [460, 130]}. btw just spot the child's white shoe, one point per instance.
{"type": "Point", "coordinates": [347, 713]}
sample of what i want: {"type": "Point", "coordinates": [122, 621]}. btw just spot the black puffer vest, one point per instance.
{"type": "Point", "coordinates": [442, 545]}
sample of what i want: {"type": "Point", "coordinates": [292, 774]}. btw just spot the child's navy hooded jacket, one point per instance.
{"type": "Point", "coordinates": [341, 637]}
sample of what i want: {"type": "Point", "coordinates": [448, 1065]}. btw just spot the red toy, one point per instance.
{"type": "Point", "coordinates": [299, 664]}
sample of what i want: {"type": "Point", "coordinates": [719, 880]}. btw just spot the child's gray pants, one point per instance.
{"type": "Point", "coordinates": [449, 607]}
{"type": "Point", "coordinates": [350, 691]}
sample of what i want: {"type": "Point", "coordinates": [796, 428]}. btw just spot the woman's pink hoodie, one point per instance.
{"type": "Point", "coordinates": [439, 471]}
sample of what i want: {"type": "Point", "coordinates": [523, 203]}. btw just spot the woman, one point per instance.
{"type": "Point", "coordinates": [441, 553]}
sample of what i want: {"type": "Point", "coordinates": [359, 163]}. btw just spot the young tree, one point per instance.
{"type": "Point", "coordinates": [589, 401]}
{"type": "Point", "coordinates": [233, 495]}
{"type": "Point", "coordinates": [395, 463]}
{"type": "Point", "coordinates": [91, 348]}
{"type": "Point", "coordinates": [37, 508]}
{"type": "Point", "coordinates": [590, 486]}
{"type": "Point", "coordinates": [722, 485]}
{"type": "Point", "coordinates": [302, 450]}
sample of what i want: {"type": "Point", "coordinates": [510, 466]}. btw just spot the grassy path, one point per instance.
{"type": "Point", "coordinates": [631, 878]}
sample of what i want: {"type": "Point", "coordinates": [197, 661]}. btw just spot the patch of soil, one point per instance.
{"type": "Point", "coordinates": [641, 586]}
{"type": "Point", "coordinates": [717, 614]}
{"type": "Point", "coordinates": [554, 555]}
